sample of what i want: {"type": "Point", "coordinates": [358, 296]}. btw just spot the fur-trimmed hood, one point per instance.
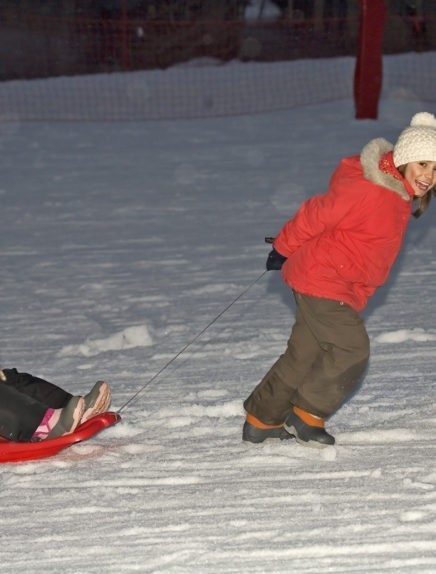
{"type": "Point", "coordinates": [370, 160]}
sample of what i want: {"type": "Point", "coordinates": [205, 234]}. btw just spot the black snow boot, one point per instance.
{"type": "Point", "coordinates": [313, 435]}
{"type": "Point", "coordinates": [255, 431]}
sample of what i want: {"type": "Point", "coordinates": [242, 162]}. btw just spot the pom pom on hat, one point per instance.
{"type": "Point", "coordinates": [417, 142]}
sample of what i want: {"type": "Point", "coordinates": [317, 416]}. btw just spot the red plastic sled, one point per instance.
{"type": "Point", "coordinates": [21, 451]}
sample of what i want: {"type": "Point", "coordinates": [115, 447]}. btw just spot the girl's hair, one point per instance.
{"type": "Point", "coordinates": [421, 202]}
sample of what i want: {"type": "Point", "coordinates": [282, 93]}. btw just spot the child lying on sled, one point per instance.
{"type": "Point", "coordinates": [32, 409]}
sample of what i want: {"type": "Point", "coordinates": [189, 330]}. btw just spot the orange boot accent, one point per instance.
{"type": "Point", "coordinates": [309, 419]}
{"type": "Point", "coordinates": [252, 420]}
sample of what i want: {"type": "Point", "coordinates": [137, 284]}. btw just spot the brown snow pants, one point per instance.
{"type": "Point", "coordinates": [323, 363]}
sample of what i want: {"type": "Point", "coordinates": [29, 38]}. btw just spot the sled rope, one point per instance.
{"type": "Point", "coordinates": [191, 342]}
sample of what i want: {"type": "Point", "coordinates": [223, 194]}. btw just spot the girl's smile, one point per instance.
{"type": "Point", "coordinates": [421, 175]}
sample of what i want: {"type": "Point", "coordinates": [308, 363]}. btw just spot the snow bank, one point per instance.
{"type": "Point", "coordinates": [137, 336]}
{"type": "Point", "coordinates": [403, 335]}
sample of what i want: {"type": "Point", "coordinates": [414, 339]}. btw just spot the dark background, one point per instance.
{"type": "Point", "coordinates": [68, 37]}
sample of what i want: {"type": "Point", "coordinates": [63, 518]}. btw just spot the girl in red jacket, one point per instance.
{"type": "Point", "coordinates": [334, 253]}
{"type": "Point", "coordinates": [33, 409]}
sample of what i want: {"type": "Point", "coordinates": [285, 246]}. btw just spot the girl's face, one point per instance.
{"type": "Point", "coordinates": [421, 175]}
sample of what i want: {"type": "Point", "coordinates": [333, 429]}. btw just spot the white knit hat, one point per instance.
{"type": "Point", "coordinates": [417, 142]}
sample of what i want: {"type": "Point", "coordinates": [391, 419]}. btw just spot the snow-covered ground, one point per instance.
{"type": "Point", "coordinates": [120, 243]}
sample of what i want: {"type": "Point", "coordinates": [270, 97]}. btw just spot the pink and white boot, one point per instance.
{"type": "Point", "coordinates": [58, 422]}
{"type": "Point", "coordinates": [97, 401]}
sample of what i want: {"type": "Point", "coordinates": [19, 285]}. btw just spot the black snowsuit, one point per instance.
{"type": "Point", "coordinates": [24, 399]}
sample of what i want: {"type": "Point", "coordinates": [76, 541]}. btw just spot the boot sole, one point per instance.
{"type": "Point", "coordinates": [308, 443]}
{"type": "Point", "coordinates": [101, 404]}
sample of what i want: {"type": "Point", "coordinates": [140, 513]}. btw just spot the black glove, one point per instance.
{"type": "Point", "coordinates": [274, 261]}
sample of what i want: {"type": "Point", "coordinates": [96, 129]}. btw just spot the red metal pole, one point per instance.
{"type": "Point", "coordinates": [368, 74]}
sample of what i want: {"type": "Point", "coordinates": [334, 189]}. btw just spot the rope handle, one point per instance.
{"type": "Point", "coordinates": [191, 342]}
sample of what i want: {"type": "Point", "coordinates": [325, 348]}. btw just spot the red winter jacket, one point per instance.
{"type": "Point", "coordinates": [342, 245]}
